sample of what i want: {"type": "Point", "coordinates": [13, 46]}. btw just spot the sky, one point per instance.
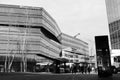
{"type": "Point", "coordinates": [87, 17]}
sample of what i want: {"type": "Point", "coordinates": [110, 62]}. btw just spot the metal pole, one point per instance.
{"type": "Point", "coordinates": [76, 35]}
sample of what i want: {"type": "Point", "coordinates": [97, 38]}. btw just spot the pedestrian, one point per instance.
{"type": "Point", "coordinates": [75, 69]}
{"type": "Point", "coordinates": [89, 69]}
{"type": "Point", "coordinates": [72, 68]}
{"type": "Point", "coordinates": [82, 69]}
{"type": "Point", "coordinates": [85, 69]}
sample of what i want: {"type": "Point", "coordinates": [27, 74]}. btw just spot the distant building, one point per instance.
{"type": "Point", "coordinates": [74, 49]}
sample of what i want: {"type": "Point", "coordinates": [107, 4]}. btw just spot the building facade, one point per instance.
{"type": "Point", "coordinates": [74, 49]}
{"type": "Point", "coordinates": [29, 35]}
{"type": "Point", "coordinates": [113, 12]}
{"type": "Point", "coordinates": [26, 32]}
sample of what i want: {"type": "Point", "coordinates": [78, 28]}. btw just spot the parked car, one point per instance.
{"type": "Point", "coordinates": [114, 70]}
{"type": "Point", "coordinates": [118, 69]}
{"type": "Point", "coordinates": [104, 71]}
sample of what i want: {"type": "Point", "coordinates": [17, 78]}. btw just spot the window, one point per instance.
{"type": "Point", "coordinates": [119, 35]}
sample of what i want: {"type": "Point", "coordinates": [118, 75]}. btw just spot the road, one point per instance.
{"type": "Point", "coordinates": [48, 76]}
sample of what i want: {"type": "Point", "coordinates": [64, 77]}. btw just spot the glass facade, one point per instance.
{"type": "Point", "coordinates": [113, 12]}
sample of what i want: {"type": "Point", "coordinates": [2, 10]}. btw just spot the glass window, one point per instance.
{"type": "Point", "coordinates": [119, 35]}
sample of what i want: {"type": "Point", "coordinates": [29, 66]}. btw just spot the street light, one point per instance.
{"type": "Point", "coordinates": [76, 35]}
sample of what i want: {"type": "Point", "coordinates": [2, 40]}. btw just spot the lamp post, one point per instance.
{"type": "Point", "coordinates": [76, 35]}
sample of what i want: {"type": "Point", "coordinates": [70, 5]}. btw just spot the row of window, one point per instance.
{"type": "Point", "coordinates": [29, 46]}
{"type": "Point", "coordinates": [71, 56]}
{"type": "Point", "coordinates": [114, 26]}
{"type": "Point", "coordinates": [29, 50]}
{"type": "Point", "coordinates": [80, 47]}
{"type": "Point", "coordinates": [71, 43]}
{"type": "Point", "coordinates": [27, 22]}
{"type": "Point", "coordinates": [75, 42]}
{"type": "Point", "coordinates": [33, 35]}
{"type": "Point", "coordinates": [22, 10]}
{"type": "Point", "coordinates": [72, 38]}
{"type": "Point", "coordinates": [74, 61]}
{"type": "Point", "coordinates": [115, 37]}
{"type": "Point", "coordinates": [27, 13]}
{"type": "Point", "coordinates": [116, 46]}
{"type": "Point", "coordinates": [33, 45]}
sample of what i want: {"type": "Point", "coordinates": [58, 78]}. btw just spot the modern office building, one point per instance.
{"type": "Point", "coordinates": [113, 13]}
{"type": "Point", "coordinates": [25, 34]}
{"type": "Point", "coordinates": [74, 49]}
{"type": "Point", "coordinates": [29, 35]}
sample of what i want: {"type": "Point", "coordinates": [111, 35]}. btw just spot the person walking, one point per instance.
{"type": "Point", "coordinates": [89, 69]}
{"type": "Point", "coordinates": [82, 69]}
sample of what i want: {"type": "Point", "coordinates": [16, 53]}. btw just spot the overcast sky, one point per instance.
{"type": "Point", "coordinates": [87, 17]}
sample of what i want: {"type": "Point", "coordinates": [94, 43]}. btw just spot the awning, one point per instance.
{"type": "Point", "coordinates": [74, 52]}
{"type": "Point", "coordinates": [54, 59]}
{"type": "Point", "coordinates": [62, 59]}
{"type": "Point", "coordinates": [48, 57]}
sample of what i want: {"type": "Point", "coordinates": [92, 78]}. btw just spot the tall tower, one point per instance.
{"type": "Point", "coordinates": [113, 12]}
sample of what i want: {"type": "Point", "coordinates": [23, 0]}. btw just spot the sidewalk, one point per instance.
{"type": "Point", "coordinates": [44, 73]}
{"type": "Point", "coordinates": [93, 72]}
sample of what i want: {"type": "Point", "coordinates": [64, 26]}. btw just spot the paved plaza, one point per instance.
{"type": "Point", "coordinates": [51, 76]}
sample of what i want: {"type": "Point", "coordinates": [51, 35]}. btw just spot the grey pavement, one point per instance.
{"type": "Point", "coordinates": [49, 76]}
